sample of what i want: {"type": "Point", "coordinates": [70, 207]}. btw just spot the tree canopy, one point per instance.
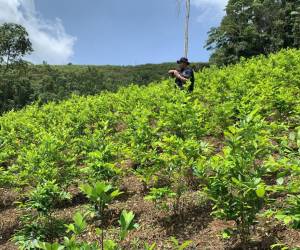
{"type": "Point", "coordinates": [253, 27]}
{"type": "Point", "coordinates": [14, 43]}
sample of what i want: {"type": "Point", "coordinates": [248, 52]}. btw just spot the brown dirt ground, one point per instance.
{"type": "Point", "coordinates": [194, 223]}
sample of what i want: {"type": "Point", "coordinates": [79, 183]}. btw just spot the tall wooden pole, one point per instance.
{"type": "Point", "coordinates": [187, 22]}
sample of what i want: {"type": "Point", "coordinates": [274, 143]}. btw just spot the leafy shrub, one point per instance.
{"type": "Point", "coordinates": [100, 195]}
{"type": "Point", "coordinates": [160, 196]}
{"type": "Point", "coordinates": [38, 222]}
{"type": "Point", "coordinates": [72, 241]}
{"type": "Point", "coordinates": [178, 246]}
{"type": "Point", "coordinates": [126, 223]}
{"type": "Point", "coordinates": [234, 179]}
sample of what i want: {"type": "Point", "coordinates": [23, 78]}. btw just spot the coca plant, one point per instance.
{"type": "Point", "coordinates": [234, 177]}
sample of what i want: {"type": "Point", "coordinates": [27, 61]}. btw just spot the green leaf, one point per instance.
{"type": "Point", "coordinates": [87, 189]}
{"type": "Point", "coordinates": [149, 247]}
{"type": "Point", "coordinates": [185, 245]}
{"type": "Point", "coordinates": [80, 224]}
{"type": "Point", "coordinates": [260, 191]}
{"type": "Point", "coordinates": [174, 241]}
{"type": "Point", "coordinates": [292, 136]}
{"type": "Point", "coordinates": [295, 13]}
{"type": "Point", "coordinates": [70, 228]}
{"type": "Point", "coordinates": [116, 193]}
{"type": "Point", "coordinates": [98, 231]}
{"type": "Point", "coordinates": [287, 220]}
{"type": "Point", "coordinates": [236, 181]}
{"type": "Point", "coordinates": [279, 245]}
{"type": "Point", "coordinates": [226, 234]}
{"type": "Point", "coordinates": [126, 223]}
{"type": "Point", "coordinates": [280, 181]}
{"type": "Point", "coordinates": [78, 219]}
{"type": "Point", "coordinates": [257, 181]}
{"type": "Point", "coordinates": [110, 245]}
{"type": "Point", "coordinates": [49, 246]}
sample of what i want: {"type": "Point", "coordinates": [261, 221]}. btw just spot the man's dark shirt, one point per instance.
{"type": "Point", "coordinates": [186, 73]}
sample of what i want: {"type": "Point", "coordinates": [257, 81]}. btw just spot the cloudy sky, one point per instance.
{"type": "Point", "coordinates": [113, 31]}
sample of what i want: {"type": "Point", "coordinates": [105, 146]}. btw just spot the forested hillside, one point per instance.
{"type": "Point", "coordinates": [152, 167]}
{"type": "Point", "coordinates": [23, 84]}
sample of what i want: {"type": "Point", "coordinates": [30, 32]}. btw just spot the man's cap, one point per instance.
{"type": "Point", "coordinates": [183, 60]}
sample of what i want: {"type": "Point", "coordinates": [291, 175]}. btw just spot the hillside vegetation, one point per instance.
{"type": "Point", "coordinates": [22, 85]}
{"type": "Point", "coordinates": [219, 166]}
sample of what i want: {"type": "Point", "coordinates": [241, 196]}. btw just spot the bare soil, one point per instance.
{"type": "Point", "coordinates": [155, 225]}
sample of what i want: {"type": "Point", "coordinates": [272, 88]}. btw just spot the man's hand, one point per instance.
{"type": "Point", "coordinates": [179, 76]}
{"type": "Point", "coordinates": [176, 74]}
{"type": "Point", "coordinates": [172, 73]}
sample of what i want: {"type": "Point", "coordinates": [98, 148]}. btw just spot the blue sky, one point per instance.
{"type": "Point", "coordinates": [115, 32]}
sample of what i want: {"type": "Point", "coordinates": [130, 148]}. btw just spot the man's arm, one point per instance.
{"type": "Point", "coordinates": [178, 75]}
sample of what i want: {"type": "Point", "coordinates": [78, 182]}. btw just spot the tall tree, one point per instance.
{"type": "Point", "coordinates": [296, 27]}
{"type": "Point", "coordinates": [15, 87]}
{"type": "Point", "coordinates": [14, 43]}
{"type": "Point", "coordinates": [253, 27]}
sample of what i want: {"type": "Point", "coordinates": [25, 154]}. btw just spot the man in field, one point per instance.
{"type": "Point", "coordinates": [184, 75]}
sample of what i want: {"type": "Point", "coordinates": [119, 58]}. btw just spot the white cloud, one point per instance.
{"type": "Point", "coordinates": [210, 9]}
{"type": "Point", "coordinates": [49, 40]}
